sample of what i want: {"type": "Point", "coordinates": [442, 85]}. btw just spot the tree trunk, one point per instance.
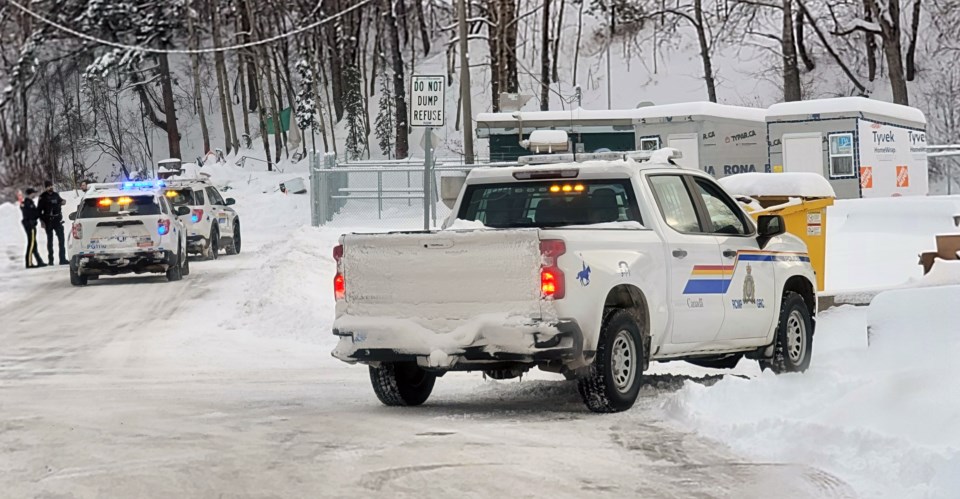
{"type": "Point", "coordinates": [494, 33]}
{"type": "Point", "coordinates": [246, 27]}
{"type": "Point", "coordinates": [222, 85]}
{"type": "Point", "coordinates": [274, 110]}
{"type": "Point", "coordinates": [255, 82]}
{"type": "Point", "coordinates": [912, 47]}
{"type": "Point", "coordinates": [424, 34]}
{"type": "Point", "coordinates": [791, 72]}
{"type": "Point", "coordinates": [169, 108]}
{"type": "Point", "coordinates": [801, 45]}
{"type": "Point", "coordinates": [399, 93]}
{"type": "Point", "coordinates": [509, 44]}
{"type": "Point", "coordinates": [890, 29]}
{"type": "Point", "coordinates": [556, 41]}
{"type": "Point", "coordinates": [870, 42]}
{"type": "Point", "coordinates": [198, 99]}
{"type": "Point", "coordinates": [545, 59]}
{"type": "Point", "coordinates": [705, 56]}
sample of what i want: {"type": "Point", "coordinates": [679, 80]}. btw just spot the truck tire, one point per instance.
{"type": "Point", "coordinates": [401, 383]}
{"type": "Point", "coordinates": [612, 382]}
{"type": "Point", "coordinates": [76, 279]}
{"type": "Point", "coordinates": [185, 270]}
{"type": "Point", "coordinates": [793, 344]}
{"type": "Point", "coordinates": [174, 272]}
{"type": "Point", "coordinates": [234, 247]}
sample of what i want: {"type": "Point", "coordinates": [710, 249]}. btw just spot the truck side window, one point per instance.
{"type": "Point", "coordinates": [675, 203]}
{"type": "Point", "coordinates": [726, 218]}
{"type": "Point", "coordinates": [199, 195]}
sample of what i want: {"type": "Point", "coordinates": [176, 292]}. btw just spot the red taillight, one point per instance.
{"type": "Point", "coordinates": [163, 226]}
{"type": "Point", "coordinates": [339, 287]}
{"type": "Point", "coordinates": [77, 230]}
{"type": "Point", "coordinates": [339, 283]}
{"type": "Point", "coordinates": [551, 277]}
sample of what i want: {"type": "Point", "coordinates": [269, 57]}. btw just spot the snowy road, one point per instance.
{"type": "Point", "coordinates": [135, 387]}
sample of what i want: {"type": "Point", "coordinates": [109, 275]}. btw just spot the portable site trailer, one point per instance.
{"type": "Point", "coordinates": [719, 139]}
{"type": "Point", "coordinates": [589, 131]}
{"type": "Point", "coordinates": [864, 147]}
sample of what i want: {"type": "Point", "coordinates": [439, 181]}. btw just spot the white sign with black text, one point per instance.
{"type": "Point", "coordinates": [427, 100]}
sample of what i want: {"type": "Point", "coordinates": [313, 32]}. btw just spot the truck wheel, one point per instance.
{"type": "Point", "coordinates": [612, 382]}
{"type": "Point", "coordinates": [234, 247]}
{"type": "Point", "coordinates": [76, 279]}
{"type": "Point", "coordinates": [401, 383]}
{"type": "Point", "coordinates": [174, 272]}
{"type": "Point", "coordinates": [793, 345]}
{"type": "Point", "coordinates": [185, 271]}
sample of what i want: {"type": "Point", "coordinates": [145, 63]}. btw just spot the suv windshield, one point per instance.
{"type": "Point", "coordinates": [180, 197]}
{"type": "Point", "coordinates": [111, 206]}
{"type": "Point", "coordinates": [550, 203]}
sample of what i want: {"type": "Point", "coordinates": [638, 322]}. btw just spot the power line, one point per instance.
{"type": "Point", "coordinates": [241, 46]}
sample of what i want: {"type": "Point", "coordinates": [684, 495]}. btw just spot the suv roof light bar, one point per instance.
{"type": "Point", "coordinates": [664, 154]}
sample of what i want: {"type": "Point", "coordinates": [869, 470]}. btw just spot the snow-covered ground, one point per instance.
{"type": "Point", "coordinates": [223, 384]}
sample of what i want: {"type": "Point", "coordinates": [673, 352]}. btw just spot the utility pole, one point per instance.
{"type": "Point", "coordinates": [467, 110]}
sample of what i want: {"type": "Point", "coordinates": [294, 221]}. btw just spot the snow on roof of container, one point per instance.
{"type": "Point", "coordinates": [663, 111]}
{"type": "Point", "coordinates": [808, 185]}
{"type": "Point", "coordinates": [846, 105]}
{"type": "Point", "coordinates": [703, 108]}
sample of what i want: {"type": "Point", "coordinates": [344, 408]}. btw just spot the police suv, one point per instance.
{"type": "Point", "coordinates": [590, 269]}
{"type": "Point", "coordinates": [211, 223]}
{"type": "Point", "coordinates": [127, 227]}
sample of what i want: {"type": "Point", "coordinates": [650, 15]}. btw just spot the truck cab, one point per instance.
{"type": "Point", "coordinates": [590, 269]}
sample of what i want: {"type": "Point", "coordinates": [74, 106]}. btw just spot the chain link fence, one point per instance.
{"type": "Point", "coordinates": [380, 195]}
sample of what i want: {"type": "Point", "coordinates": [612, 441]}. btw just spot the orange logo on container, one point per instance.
{"type": "Point", "coordinates": [903, 176]}
{"type": "Point", "coordinates": [866, 177]}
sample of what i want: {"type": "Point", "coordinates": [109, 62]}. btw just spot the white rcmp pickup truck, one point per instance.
{"type": "Point", "coordinates": [591, 270]}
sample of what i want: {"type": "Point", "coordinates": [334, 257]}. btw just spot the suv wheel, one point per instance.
{"type": "Point", "coordinates": [793, 345]}
{"type": "Point", "coordinates": [76, 279]}
{"type": "Point", "coordinates": [234, 247]}
{"type": "Point", "coordinates": [401, 383]}
{"type": "Point", "coordinates": [185, 270]}
{"type": "Point", "coordinates": [612, 382]}
{"type": "Point", "coordinates": [174, 272]}
{"type": "Point", "coordinates": [213, 245]}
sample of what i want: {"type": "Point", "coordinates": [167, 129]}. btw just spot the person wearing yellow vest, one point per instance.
{"type": "Point", "coordinates": [30, 217]}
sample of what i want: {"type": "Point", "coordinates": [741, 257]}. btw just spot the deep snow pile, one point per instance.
{"type": "Point", "coordinates": [875, 243]}
{"type": "Point", "coordinates": [882, 418]}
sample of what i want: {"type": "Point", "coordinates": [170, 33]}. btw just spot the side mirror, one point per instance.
{"type": "Point", "coordinates": [72, 216]}
{"type": "Point", "coordinates": [450, 186]}
{"type": "Point", "coordinates": [769, 227]}
{"type": "Point", "coordinates": [230, 202]}
{"type": "Point", "coordinates": [181, 211]}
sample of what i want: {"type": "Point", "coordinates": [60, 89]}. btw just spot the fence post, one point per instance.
{"type": "Point", "coordinates": [379, 195]}
{"type": "Point", "coordinates": [427, 175]}
{"type": "Point", "coordinates": [314, 191]}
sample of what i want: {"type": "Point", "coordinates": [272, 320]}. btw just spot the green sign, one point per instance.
{"type": "Point", "coordinates": [284, 121]}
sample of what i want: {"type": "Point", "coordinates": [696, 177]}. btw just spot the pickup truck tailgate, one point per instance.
{"type": "Point", "coordinates": [446, 276]}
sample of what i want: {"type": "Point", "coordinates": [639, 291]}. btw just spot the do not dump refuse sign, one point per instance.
{"type": "Point", "coordinates": [427, 100]}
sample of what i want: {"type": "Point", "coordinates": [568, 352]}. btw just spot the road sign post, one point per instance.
{"type": "Point", "coordinates": [428, 100]}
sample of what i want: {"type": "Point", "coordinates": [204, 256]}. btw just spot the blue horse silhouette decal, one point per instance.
{"type": "Point", "coordinates": [584, 275]}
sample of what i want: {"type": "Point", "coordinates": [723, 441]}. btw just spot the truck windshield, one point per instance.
{"type": "Point", "coordinates": [111, 206]}
{"type": "Point", "coordinates": [550, 203]}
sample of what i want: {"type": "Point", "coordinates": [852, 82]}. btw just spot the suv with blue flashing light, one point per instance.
{"type": "Point", "coordinates": [212, 224]}
{"type": "Point", "coordinates": [127, 227]}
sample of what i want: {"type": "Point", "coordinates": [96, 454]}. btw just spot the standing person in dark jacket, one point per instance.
{"type": "Point", "coordinates": [30, 216]}
{"type": "Point", "coordinates": [51, 217]}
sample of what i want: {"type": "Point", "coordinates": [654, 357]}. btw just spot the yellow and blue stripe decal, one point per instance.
{"type": "Point", "coordinates": [716, 279]}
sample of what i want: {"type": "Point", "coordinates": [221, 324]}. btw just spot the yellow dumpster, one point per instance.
{"type": "Point", "coordinates": [806, 218]}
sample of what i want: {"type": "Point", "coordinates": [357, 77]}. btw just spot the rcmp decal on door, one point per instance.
{"type": "Point", "coordinates": [717, 279]}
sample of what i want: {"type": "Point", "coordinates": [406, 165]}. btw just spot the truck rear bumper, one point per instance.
{"type": "Point", "coordinates": [461, 349]}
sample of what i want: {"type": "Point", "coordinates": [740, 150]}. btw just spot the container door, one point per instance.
{"type": "Point", "coordinates": [803, 152]}
{"type": "Point", "coordinates": [689, 147]}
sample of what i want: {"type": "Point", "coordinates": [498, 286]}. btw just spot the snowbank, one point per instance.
{"type": "Point", "coordinates": [882, 419]}
{"type": "Point", "coordinates": [808, 185]}
{"type": "Point", "coordinates": [874, 243]}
